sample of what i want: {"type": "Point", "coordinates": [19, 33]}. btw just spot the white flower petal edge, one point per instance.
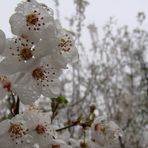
{"type": "Point", "coordinates": [2, 41]}
{"type": "Point", "coordinates": [57, 143]}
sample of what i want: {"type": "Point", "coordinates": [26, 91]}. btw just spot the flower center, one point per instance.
{"type": "Point", "coordinates": [24, 36]}
{"type": "Point", "coordinates": [38, 73]}
{"type": "Point", "coordinates": [100, 128]}
{"type": "Point", "coordinates": [5, 82]}
{"type": "Point", "coordinates": [7, 86]}
{"type": "Point", "coordinates": [40, 129]}
{"type": "Point", "coordinates": [16, 131]}
{"type": "Point", "coordinates": [65, 43]}
{"type": "Point", "coordinates": [32, 19]}
{"type": "Point", "coordinates": [56, 146]}
{"type": "Point", "coordinates": [26, 53]}
{"type": "Point", "coordinates": [97, 127]}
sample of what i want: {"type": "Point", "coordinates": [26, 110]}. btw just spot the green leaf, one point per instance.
{"type": "Point", "coordinates": [62, 99]}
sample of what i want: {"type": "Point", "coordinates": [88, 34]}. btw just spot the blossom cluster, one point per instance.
{"type": "Point", "coordinates": [31, 64]}
{"type": "Point", "coordinates": [34, 58]}
{"type": "Point", "coordinates": [33, 129]}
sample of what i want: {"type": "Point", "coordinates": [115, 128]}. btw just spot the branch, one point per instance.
{"type": "Point", "coordinates": [69, 126]}
{"type": "Point", "coordinates": [17, 106]}
{"type": "Point", "coordinates": [121, 143]}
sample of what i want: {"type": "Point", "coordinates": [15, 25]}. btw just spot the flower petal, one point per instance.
{"type": "Point", "coordinates": [17, 22]}
{"type": "Point", "coordinates": [2, 41]}
{"type": "Point", "coordinates": [27, 93]}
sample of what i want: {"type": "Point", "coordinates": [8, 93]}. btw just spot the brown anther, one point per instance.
{"type": "Point", "coordinates": [26, 53]}
{"type": "Point", "coordinates": [40, 129]}
{"type": "Point", "coordinates": [38, 73]}
{"type": "Point", "coordinates": [97, 127]}
{"type": "Point", "coordinates": [16, 130]}
{"type": "Point", "coordinates": [83, 145]}
{"type": "Point", "coordinates": [32, 19]}
{"type": "Point", "coordinates": [7, 85]}
{"type": "Point", "coordinates": [65, 44]}
{"type": "Point", "coordinates": [100, 128]}
{"type": "Point", "coordinates": [56, 146]}
{"type": "Point", "coordinates": [24, 36]}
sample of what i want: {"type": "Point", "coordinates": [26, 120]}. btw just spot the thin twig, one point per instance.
{"type": "Point", "coordinates": [17, 106]}
{"type": "Point", "coordinates": [69, 126]}
{"type": "Point", "coordinates": [121, 142]}
{"type": "Point", "coordinates": [54, 113]}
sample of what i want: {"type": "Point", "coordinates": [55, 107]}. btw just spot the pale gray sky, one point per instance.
{"type": "Point", "coordinates": [99, 11]}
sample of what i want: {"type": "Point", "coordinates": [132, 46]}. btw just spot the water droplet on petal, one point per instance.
{"type": "Point", "coordinates": [28, 141]}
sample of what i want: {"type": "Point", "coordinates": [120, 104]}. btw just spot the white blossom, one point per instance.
{"type": "Point", "coordinates": [104, 130]}
{"type": "Point", "coordinates": [27, 129]}
{"type": "Point", "coordinates": [19, 55]}
{"type": "Point", "coordinates": [13, 133]}
{"type": "Point", "coordinates": [40, 128]}
{"type": "Point", "coordinates": [31, 19]}
{"type": "Point", "coordinates": [64, 51]}
{"type": "Point", "coordinates": [42, 79]}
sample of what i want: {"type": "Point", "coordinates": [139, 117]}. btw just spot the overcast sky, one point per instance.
{"type": "Point", "coordinates": [98, 11]}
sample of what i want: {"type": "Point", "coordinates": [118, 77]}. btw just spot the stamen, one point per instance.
{"type": "Point", "coordinates": [16, 131]}
{"type": "Point", "coordinates": [100, 128]}
{"type": "Point", "coordinates": [5, 82]}
{"type": "Point", "coordinates": [7, 85]}
{"type": "Point", "coordinates": [24, 36]}
{"type": "Point", "coordinates": [38, 73]}
{"type": "Point", "coordinates": [97, 127]}
{"type": "Point", "coordinates": [40, 129]}
{"type": "Point", "coordinates": [65, 43]}
{"type": "Point", "coordinates": [26, 53]}
{"type": "Point", "coordinates": [56, 146]}
{"type": "Point", "coordinates": [32, 19]}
